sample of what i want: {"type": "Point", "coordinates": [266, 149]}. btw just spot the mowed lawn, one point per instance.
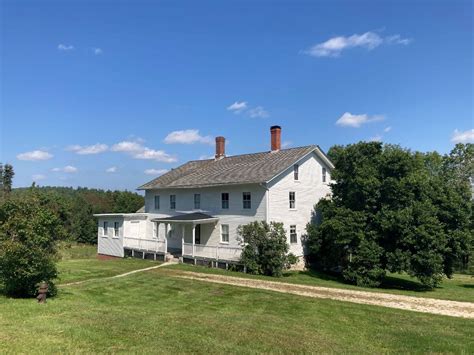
{"type": "Point", "coordinates": [154, 312]}
{"type": "Point", "coordinates": [459, 288]}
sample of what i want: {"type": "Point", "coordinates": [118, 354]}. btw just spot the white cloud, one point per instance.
{"type": "Point", "coordinates": [206, 157]}
{"type": "Point", "coordinates": [34, 155]}
{"type": "Point", "coordinates": [237, 106]}
{"type": "Point", "coordinates": [368, 40]}
{"type": "Point", "coordinates": [188, 136]}
{"type": "Point", "coordinates": [155, 171]}
{"type": "Point", "coordinates": [88, 149]}
{"type": "Point", "coordinates": [387, 129]}
{"type": "Point", "coordinates": [397, 39]}
{"type": "Point", "coordinates": [286, 144]}
{"type": "Point", "coordinates": [139, 151]}
{"type": "Point", "coordinates": [64, 47]}
{"type": "Point", "coordinates": [98, 51]}
{"type": "Point", "coordinates": [38, 177]}
{"type": "Point", "coordinates": [350, 120]}
{"type": "Point", "coordinates": [258, 111]}
{"type": "Point", "coordinates": [127, 147]}
{"type": "Point", "coordinates": [67, 169]}
{"type": "Point", "coordinates": [376, 138]}
{"type": "Point", "coordinates": [463, 137]}
{"type": "Point", "coordinates": [112, 169]}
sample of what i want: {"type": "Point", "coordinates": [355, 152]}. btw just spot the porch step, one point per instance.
{"type": "Point", "coordinates": [171, 258]}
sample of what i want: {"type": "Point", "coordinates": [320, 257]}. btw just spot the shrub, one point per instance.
{"type": "Point", "coordinates": [28, 233]}
{"type": "Point", "coordinates": [265, 248]}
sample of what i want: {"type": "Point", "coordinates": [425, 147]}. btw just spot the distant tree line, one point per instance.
{"type": "Point", "coordinates": [394, 210]}
{"type": "Point", "coordinates": [75, 207]}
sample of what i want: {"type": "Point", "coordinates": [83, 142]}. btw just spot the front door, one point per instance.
{"type": "Point", "coordinates": [197, 234]}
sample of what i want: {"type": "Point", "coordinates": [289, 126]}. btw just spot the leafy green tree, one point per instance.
{"type": "Point", "coordinates": [28, 233]}
{"type": "Point", "coordinates": [7, 178]}
{"type": "Point", "coordinates": [265, 248]}
{"type": "Point", "coordinates": [392, 210]}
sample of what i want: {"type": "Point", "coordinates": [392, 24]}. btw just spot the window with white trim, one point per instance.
{"type": "Point", "coordinates": [247, 200]}
{"type": "Point", "coordinates": [293, 235]}
{"type": "Point", "coordinates": [172, 202]}
{"type": "Point", "coordinates": [157, 202]}
{"type": "Point", "coordinates": [105, 228]}
{"type": "Point", "coordinates": [225, 200]}
{"type": "Point", "coordinates": [197, 201]}
{"type": "Point", "coordinates": [292, 198]}
{"type": "Point", "coordinates": [224, 233]}
{"type": "Point", "coordinates": [116, 229]}
{"type": "Point", "coordinates": [296, 169]}
{"type": "Point", "coordinates": [324, 174]}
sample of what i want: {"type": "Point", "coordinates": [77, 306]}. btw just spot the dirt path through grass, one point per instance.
{"type": "Point", "coordinates": [118, 276]}
{"type": "Point", "coordinates": [417, 304]}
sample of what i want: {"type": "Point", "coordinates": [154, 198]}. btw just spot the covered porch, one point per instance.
{"type": "Point", "coordinates": [190, 236]}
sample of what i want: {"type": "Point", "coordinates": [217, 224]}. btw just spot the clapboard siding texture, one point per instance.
{"type": "Point", "coordinates": [211, 204]}
{"type": "Point", "coordinates": [309, 189]}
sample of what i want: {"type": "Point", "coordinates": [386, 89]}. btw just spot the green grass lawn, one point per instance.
{"type": "Point", "coordinates": [152, 312]}
{"type": "Point", "coordinates": [79, 262]}
{"type": "Point", "coordinates": [459, 288]}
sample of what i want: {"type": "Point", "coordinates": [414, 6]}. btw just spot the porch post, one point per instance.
{"type": "Point", "coordinates": [182, 239]}
{"type": "Point", "coordinates": [166, 238]}
{"type": "Point", "coordinates": [194, 237]}
{"type": "Point", "coordinates": [157, 236]}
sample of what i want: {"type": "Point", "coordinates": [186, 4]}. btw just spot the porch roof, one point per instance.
{"type": "Point", "coordinates": [195, 217]}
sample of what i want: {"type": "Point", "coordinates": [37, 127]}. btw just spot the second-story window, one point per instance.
{"type": "Point", "coordinates": [324, 174]}
{"type": "Point", "coordinates": [172, 202]}
{"type": "Point", "coordinates": [197, 201]}
{"type": "Point", "coordinates": [225, 200]}
{"type": "Point", "coordinates": [292, 196]}
{"type": "Point", "coordinates": [157, 202]}
{"type": "Point", "coordinates": [296, 169]}
{"type": "Point", "coordinates": [247, 200]}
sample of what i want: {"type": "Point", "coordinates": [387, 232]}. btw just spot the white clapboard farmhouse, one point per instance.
{"type": "Point", "coordinates": [193, 211]}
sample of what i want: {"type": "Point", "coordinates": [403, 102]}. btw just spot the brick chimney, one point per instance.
{"type": "Point", "coordinates": [276, 138]}
{"type": "Point", "coordinates": [220, 147]}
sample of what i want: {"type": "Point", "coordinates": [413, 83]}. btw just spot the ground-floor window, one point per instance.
{"type": "Point", "coordinates": [293, 235]}
{"type": "Point", "coordinates": [224, 233]}
{"type": "Point", "coordinates": [105, 228]}
{"type": "Point", "coordinates": [197, 234]}
{"type": "Point", "coordinates": [116, 229]}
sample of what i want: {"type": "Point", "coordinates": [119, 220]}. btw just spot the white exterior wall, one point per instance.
{"type": "Point", "coordinates": [210, 204]}
{"type": "Point", "coordinates": [108, 244]}
{"type": "Point", "coordinates": [309, 189]}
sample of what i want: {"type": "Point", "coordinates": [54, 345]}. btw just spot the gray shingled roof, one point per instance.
{"type": "Point", "coordinates": [237, 169]}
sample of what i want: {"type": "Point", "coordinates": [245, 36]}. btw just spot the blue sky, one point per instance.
{"type": "Point", "coordinates": [110, 94]}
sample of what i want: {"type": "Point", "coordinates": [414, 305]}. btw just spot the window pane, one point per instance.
{"type": "Point", "coordinates": [292, 199]}
{"type": "Point", "coordinates": [172, 202]}
{"type": "Point", "coordinates": [293, 235]}
{"type": "Point", "coordinates": [296, 171]}
{"type": "Point", "coordinates": [247, 204]}
{"type": "Point", "coordinates": [225, 233]}
{"type": "Point", "coordinates": [157, 202]}
{"type": "Point", "coordinates": [225, 200]}
{"type": "Point", "coordinates": [324, 174]}
{"type": "Point", "coordinates": [197, 201]}
{"type": "Point", "coordinates": [106, 228]}
{"type": "Point", "coordinates": [116, 229]}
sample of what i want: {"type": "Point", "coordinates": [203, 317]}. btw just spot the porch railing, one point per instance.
{"type": "Point", "coordinates": [218, 252]}
{"type": "Point", "coordinates": [155, 245]}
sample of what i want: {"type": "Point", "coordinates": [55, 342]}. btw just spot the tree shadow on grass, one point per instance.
{"type": "Point", "coordinates": [468, 285]}
{"type": "Point", "coordinates": [389, 282]}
